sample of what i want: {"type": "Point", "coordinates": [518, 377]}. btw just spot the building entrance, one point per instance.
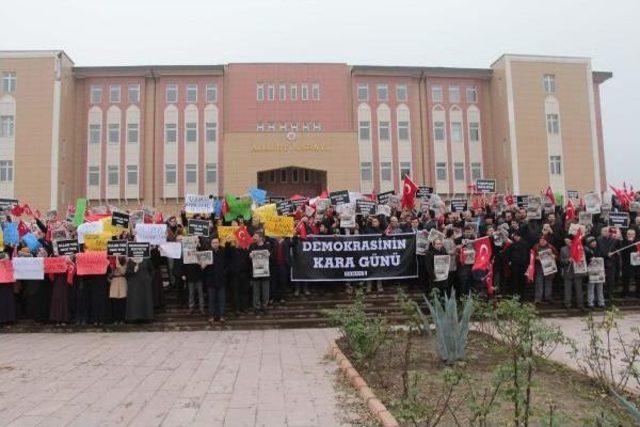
{"type": "Point", "coordinates": [285, 182]}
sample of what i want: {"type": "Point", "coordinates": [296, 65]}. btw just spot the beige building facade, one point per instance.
{"type": "Point", "coordinates": [149, 135]}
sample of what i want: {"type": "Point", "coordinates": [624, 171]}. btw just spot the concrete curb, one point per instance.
{"type": "Point", "coordinates": [374, 404]}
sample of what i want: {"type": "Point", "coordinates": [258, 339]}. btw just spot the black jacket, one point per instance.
{"type": "Point", "coordinates": [215, 275]}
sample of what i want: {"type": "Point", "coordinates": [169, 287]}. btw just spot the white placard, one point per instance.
{"type": "Point", "coordinates": [28, 268]}
{"type": "Point", "coordinates": [383, 210]}
{"type": "Point", "coordinates": [347, 215]}
{"type": "Point", "coordinates": [195, 203]}
{"type": "Point", "coordinates": [441, 267]}
{"type": "Point", "coordinates": [596, 270]}
{"type": "Point", "coordinates": [422, 242]}
{"type": "Point", "coordinates": [580, 267]}
{"type": "Point", "coordinates": [548, 262]}
{"type": "Point", "coordinates": [469, 255]}
{"type": "Point", "coordinates": [189, 248]}
{"type": "Point", "coordinates": [89, 228]}
{"type": "Point", "coordinates": [592, 203]}
{"type": "Point", "coordinates": [171, 250]}
{"type": "Point", "coordinates": [204, 258]}
{"type": "Point", "coordinates": [260, 261]}
{"type": "Point", "coordinates": [635, 258]}
{"type": "Point", "coordinates": [154, 234]}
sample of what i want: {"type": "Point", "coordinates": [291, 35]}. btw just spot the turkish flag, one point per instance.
{"type": "Point", "coordinates": [409, 190]}
{"type": "Point", "coordinates": [531, 269]}
{"type": "Point", "coordinates": [550, 196]}
{"type": "Point", "coordinates": [576, 250]}
{"type": "Point", "coordinates": [22, 228]}
{"type": "Point", "coordinates": [243, 237]}
{"type": "Point", "coordinates": [570, 211]}
{"type": "Point", "coordinates": [484, 252]}
{"type": "Point", "coordinates": [509, 200]}
{"type": "Point", "coordinates": [17, 210]}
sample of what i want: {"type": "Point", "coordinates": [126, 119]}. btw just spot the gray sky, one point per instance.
{"type": "Point", "coordinates": [453, 33]}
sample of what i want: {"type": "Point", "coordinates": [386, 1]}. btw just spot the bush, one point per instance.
{"type": "Point", "coordinates": [451, 330]}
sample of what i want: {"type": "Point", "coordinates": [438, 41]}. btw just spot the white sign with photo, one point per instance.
{"type": "Point", "coordinates": [189, 248]}
{"type": "Point", "coordinates": [383, 210]}
{"type": "Point", "coordinates": [596, 270]}
{"type": "Point", "coordinates": [347, 216]}
{"type": "Point", "coordinates": [171, 250]}
{"type": "Point", "coordinates": [548, 262]}
{"type": "Point", "coordinates": [580, 267]}
{"type": "Point", "coordinates": [592, 203]}
{"type": "Point", "coordinates": [260, 261]}
{"type": "Point", "coordinates": [469, 255]}
{"type": "Point", "coordinates": [635, 258]}
{"type": "Point", "coordinates": [441, 267]}
{"type": "Point", "coordinates": [534, 207]}
{"type": "Point", "coordinates": [422, 242]}
{"type": "Point", "coordinates": [204, 258]}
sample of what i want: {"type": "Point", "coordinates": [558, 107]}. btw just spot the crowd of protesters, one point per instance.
{"type": "Point", "coordinates": [132, 290]}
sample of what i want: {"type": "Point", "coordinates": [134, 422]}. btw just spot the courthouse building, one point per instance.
{"type": "Point", "coordinates": [130, 135]}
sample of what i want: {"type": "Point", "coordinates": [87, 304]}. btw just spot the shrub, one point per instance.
{"type": "Point", "coordinates": [451, 330]}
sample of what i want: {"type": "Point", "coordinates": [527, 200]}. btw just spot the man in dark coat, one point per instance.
{"type": "Point", "coordinates": [215, 279]}
{"type": "Point", "coordinates": [517, 258]}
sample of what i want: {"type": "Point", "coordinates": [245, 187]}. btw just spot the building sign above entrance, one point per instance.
{"type": "Point", "coordinates": [279, 147]}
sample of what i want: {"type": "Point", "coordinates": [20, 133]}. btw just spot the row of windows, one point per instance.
{"type": "Point", "coordinates": [113, 133]}
{"type": "Point", "coordinates": [384, 130]}
{"type": "Point", "coordinates": [366, 171]}
{"type": "Point", "coordinates": [382, 92]}
{"type": "Point", "coordinates": [113, 174]}
{"type": "Point", "coordinates": [8, 82]}
{"type": "Point", "coordinates": [191, 93]}
{"type": "Point", "coordinates": [454, 94]}
{"type": "Point", "coordinates": [285, 127]}
{"type": "Point", "coordinates": [268, 91]}
{"type": "Point", "coordinates": [7, 126]}
{"type": "Point", "coordinates": [456, 131]}
{"type": "Point", "coordinates": [458, 171]}
{"type": "Point", "coordinates": [292, 175]}
{"type": "Point", "coordinates": [6, 171]}
{"type": "Point", "coordinates": [133, 94]}
{"type": "Point", "coordinates": [190, 132]}
{"type": "Point", "coordinates": [190, 173]}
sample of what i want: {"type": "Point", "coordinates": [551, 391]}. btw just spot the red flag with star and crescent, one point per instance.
{"type": "Point", "coordinates": [409, 190]}
{"type": "Point", "coordinates": [243, 237]}
{"type": "Point", "coordinates": [484, 253]}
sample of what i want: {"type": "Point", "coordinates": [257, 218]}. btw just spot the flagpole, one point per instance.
{"type": "Point", "coordinates": [622, 249]}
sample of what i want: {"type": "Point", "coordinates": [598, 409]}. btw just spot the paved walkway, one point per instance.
{"type": "Point", "coordinates": [209, 378]}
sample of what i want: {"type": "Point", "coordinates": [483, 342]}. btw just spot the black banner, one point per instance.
{"type": "Point", "coordinates": [138, 250]}
{"type": "Point", "coordinates": [339, 197]}
{"type": "Point", "coordinates": [198, 227]}
{"type": "Point", "coordinates": [354, 258]}
{"type": "Point", "coordinates": [458, 205]}
{"type": "Point", "coordinates": [117, 247]}
{"type": "Point", "coordinates": [366, 207]}
{"type": "Point", "coordinates": [522, 201]}
{"type": "Point", "coordinates": [285, 207]}
{"type": "Point", "coordinates": [66, 247]}
{"type": "Point", "coordinates": [383, 198]}
{"type": "Point", "coordinates": [424, 193]}
{"type": "Point", "coordinates": [486, 185]}
{"type": "Point", "coordinates": [119, 219]}
{"type": "Point", "coordinates": [7, 204]}
{"type": "Point", "coordinates": [619, 219]}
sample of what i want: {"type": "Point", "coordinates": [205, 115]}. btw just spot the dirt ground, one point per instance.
{"type": "Point", "coordinates": [570, 396]}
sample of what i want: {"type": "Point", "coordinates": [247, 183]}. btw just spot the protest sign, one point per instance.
{"type": "Point", "coordinates": [441, 267]}
{"type": "Point", "coordinates": [347, 215]}
{"type": "Point", "coordinates": [55, 265]}
{"type": "Point", "coordinates": [279, 226]}
{"type": "Point", "coordinates": [117, 247]}
{"type": "Point", "coordinates": [299, 203]}
{"type": "Point", "coordinates": [138, 250]}
{"type": "Point", "coordinates": [265, 212]}
{"type": "Point", "coordinates": [458, 205]}
{"type": "Point", "coordinates": [486, 185]}
{"type": "Point", "coordinates": [521, 201]}
{"type": "Point", "coordinates": [384, 210]}
{"type": "Point", "coordinates": [6, 271]}
{"type": "Point", "coordinates": [574, 228]}
{"type": "Point", "coordinates": [276, 199]}
{"type": "Point", "coordinates": [580, 267]}
{"type": "Point", "coordinates": [592, 203]}
{"type": "Point", "coordinates": [366, 207]}
{"type": "Point", "coordinates": [189, 248]}
{"type": "Point", "coordinates": [634, 258]}
{"type": "Point", "coordinates": [422, 242]}
{"type": "Point", "coordinates": [548, 262]}
{"type": "Point", "coordinates": [339, 197]}
{"type": "Point", "coordinates": [198, 227]}
{"type": "Point", "coordinates": [285, 207]}
{"type": "Point", "coordinates": [534, 207]}
{"type": "Point", "coordinates": [89, 263]}
{"type": "Point", "coordinates": [322, 205]}
{"type": "Point", "coordinates": [354, 258]}
{"type": "Point", "coordinates": [383, 198]}
{"type": "Point", "coordinates": [136, 218]}
{"type": "Point", "coordinates": [171, 250]}
{"type": "Point", "coordinates": [119, 219]}
{"type": "Point", "coordinates": [32, 242]}
{"type": "Point", "coordinates": [195, 203]}
{"type": "Point", "coordinates": [59, 231]}
{"type": "Point", "coordinates": [573, 194]}
{"type": "Point", "coordinates": [154, 234]}
{"type": "Point", "coordinates": [238, 207]}
{"type": "Point", "coordinates": [96, 242]}
{"type": "Point", "coordinates": [26, 268]}
{"type": "Point", "coordinates": [226, 233]}
{"type": "Point", "coordinates": [468, 254]}
{"type": "Point", "coordinates": [204, 258]}
{"type": "Point", "coordinates": [7, 204]}
{"type": "Point", "coordinates": [260, 263]}
{"type": "Point", "coordinates": [585, 218]}
{"type": "Point", "coordinates": [605, 210]}
{"type": "Point", "coordinates": [95, 227]}
{"type": "Point", "coordinates": [81, 208]}
{"type": "Point", "coordinates": [424, 193]}
{"type": "Point", "coordinates": [619, 219]}
{"type": "Point", "coordinates": [10, 232]}
{"type": "Point", "coordinates": [66, 247]}
{"type": "Point", "coordinates": [596, 270]}
{"type": "Point", "coordinates": [435, 234]}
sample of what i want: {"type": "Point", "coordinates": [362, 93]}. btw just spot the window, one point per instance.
{"type": "Point", "coordinates": [211, 173]}
{"type": "Point", "coordinates": [401, 93]}
{"type": "Point", "coordinates": [282, 126]}
{"type": "Point", "coordinates": [438, 131]}
{"type": "Point", "coordinates": [211, 132]}
{"type": "Point", "coordinates": [305, 91]}
{"type": "Point", "coordinates": [132, 133]}
{"type": "Point", "coordinates": [555, 164]}
{"type": "Point", "coordinates": [365, 171]}
{"type": "Point", "coordinates": [305, 127]}
{"type": "Point", "coordinates": [549, 82]}
{"type": "Point", "coordinates": [474, 131]}
{"type": "Point", "coordinates": [383, 131]}
{"type": "Point", "coordinates": [6, 170]}
{"type": "Point", "coordinates": [458, 171]}
{"type": "Point", "coordinates": [436, 93]}
{"type": "Point", "coordinates": [293, 92]}
{"type": "Point", "coordinates": [191, 173]}
{"type": "Point", "coordinates": [169, 174]}
{"type": "Point", "coordinates": [441, 171]}
{"type": "Point", "coordinates": [114, 133]}
{"type": "Point", "coordinates": [113, 177]}
{"type": "Point", "coordinates": [271, 127]}
{"type": "Point", "coordinates": [476, 171]}
{"type": "Point", "coordinates": [8, 82]}
{"type": "Point", "coordinates": [272, 176]}
{"type": "Point", "coordinates": [170, 133]}
{"type": "Point", "coordinates": [7, 126]}
{"type": "Point", "coordinates": [271, 92]}
{"type": "Point", "coordinates": [364, 130]}
{"type": "Point", "coordinates": [456, 132]}
{"type": "Point", "coordinates": [315, 91]}
{"type": "Point", "coordinates": [260, 127]}
{"type": "Point", "coordinates": [294, 126]}
{"type": "Point", "coordinates": [132, 174]}
{"type": "Point", "coordinates": [472, 94]}
{"type": "Point", "coordinates": [172, 94]}
{"type": "Point", "coordinates": [295, 176]}
{"type": "Point", "coordinates": [133, 93]}
{"type": "Point", "coordinates": [114, 94]}
{"type": "Point", "coordinates": [191, 132]}
{"type": "Point", "coordinates": [94, 176]}
{"type": "Point", "coordinates": [96, 94]}
{"type": "Point", "coordinates": [383, 92]}
{"type": "Point", "coordinates": [282, 92]}
{"type": "Point", "coordinates": [405, 169]}
{"type": "Point", "coordinates": [363, 92]}
{"type": "Point", "coordinates": [95, 131]}
{"type": "Point", "coordinates": [306, 175]}
{"type": "Point", "coordinates": [553, 124]}
{"type": "Point", "coordinates": [283, 175]}
{"type": "Point", "coordinates": [385, 171]}
{"type": "Point", "coordinates": [192, 93]}
{"type": "Point", "coordinates": [317, 127]}
{"type": "Point", "coordinates": [260, 92]}
{"type": "Point", "coordinates": [212, 93]}
{"type": "Point", "coordinates": [454, 94]}
{"type": "Point", "coordinates": [403, 131]}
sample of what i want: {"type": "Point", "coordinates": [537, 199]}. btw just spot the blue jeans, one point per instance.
{"type": "Point", "coordinates": [217, 301]}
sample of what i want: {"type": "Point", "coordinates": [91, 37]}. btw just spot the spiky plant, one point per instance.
{"type": "Point", "coordinates": [451, 330]}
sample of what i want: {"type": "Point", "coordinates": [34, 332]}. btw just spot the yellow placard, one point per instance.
{"type": "Point", "coordinates": [96, 242]}
{"type": "Point", "coordinates": [108, 228]}
{"type": "Point", "coordinates": [279, 226]}
{"type": "Point", "coordinates": [265, 212]}
{"type": "Point", "coordinates": [226, 233]}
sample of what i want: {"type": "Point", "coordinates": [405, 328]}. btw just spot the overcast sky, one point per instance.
{"type": "Point", "coordinates": [427, 33]}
